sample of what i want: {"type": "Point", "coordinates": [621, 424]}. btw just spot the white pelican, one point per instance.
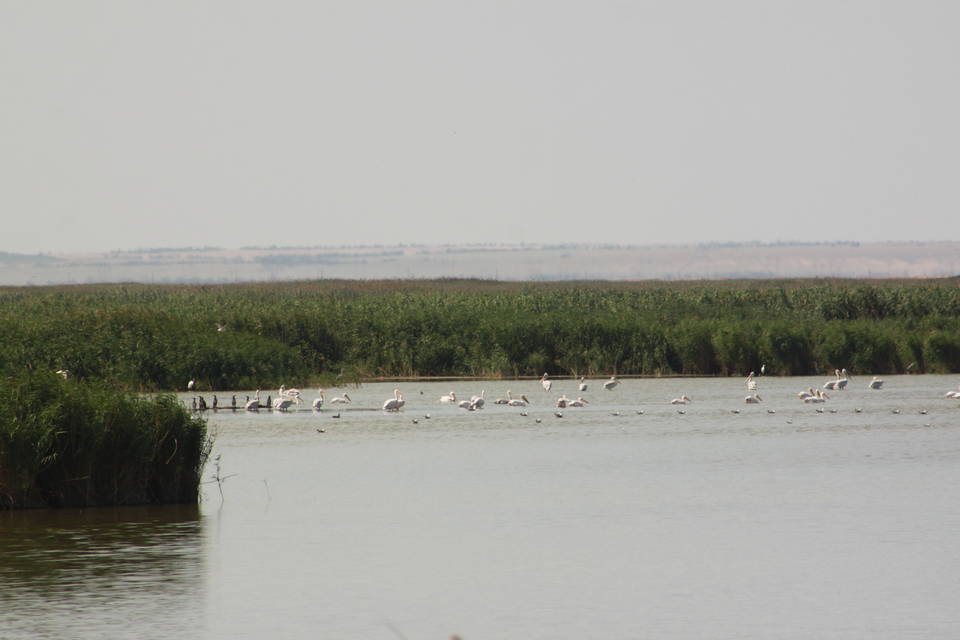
{"type": "Point", "coordinates": [839, 383]}
{"type": "Point", "coordinates": [562, 402]}
{"type": "Point", "coordinates": [579, 402]}
{"type": "Point", "coordinates": [952, 394]}
{"type": "Point", "coordinates": [344, 399]}
{"type": "Point", "coordinates": [253, 405]}
{"type": "Point", "coordinates": [809, 393]}
{"type": "Point", "coordinates": [817, 397]}
{"type": "Point", "coordinates": [751, 383]}
{"type": "Point", "coordinates": [282, 404]}
{"type": "Point", "coordinates": [611, 383]}
{"type": "Point", "coordinates": [583, 384]}
{"type": "Point", "coordinates": [876, 383]}
{"type": "Point", "coordinates": [288, 393]}
{"type": "Point", "coordinates": [191, 385]}
{"type": "Point", "coordinates": [753, 399]}
{"type": "Point", "coordinates": [452, 397]}
{"type": "Point", "coordinates": [504, 400]}
{"type": "Point", "coordinates": [478, 401]}
{"type": "Point", "coordinates": [318, 402]}
{"type": "Point", "coordinates": [546, 383]}
{"type": "Point", "coordinates": [680, 400]}
{"type": "Point", "coordinates": [466, 404]}
{"type": "Point", "coordinates": [394, 403]}
{"type": "Point", "coordinates": [518, 402]}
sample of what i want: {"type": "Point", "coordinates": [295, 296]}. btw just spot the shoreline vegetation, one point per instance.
{"type": "Point", "coordinates": [149, 338]}
{"type": "Point", "coordinates": [66, 443]}
{"type": "Point", "coordinates": [75, 429]}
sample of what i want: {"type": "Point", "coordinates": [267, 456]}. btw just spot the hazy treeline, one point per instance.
{"type": "Point", "coordinates": [158, 337]}
{"type": "Point", "coordinates": [65, 443]}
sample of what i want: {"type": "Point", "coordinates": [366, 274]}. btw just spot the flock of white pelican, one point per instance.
{"type": "Point", "coordinates": [290, 397]}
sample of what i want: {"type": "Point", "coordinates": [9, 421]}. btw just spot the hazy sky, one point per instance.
{"type": "Point", "coordinates": [127, 124]}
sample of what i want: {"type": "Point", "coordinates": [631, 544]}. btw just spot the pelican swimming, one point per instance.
{"type": "Point", "coordinates": [562, 402]}
{"type": "Point", "coordinates": [452, 397]}
{"type": "Point", "coordinates": [478, 401]}
{"type": "Point", "coordinates": [546, 383]}
{"type": "Point", "coordinates": [344, 399]}
{"type": "Point", "coordinates": [817, 397]}
{"type": "Point", "coordinates": [876, 383]}
{"type": "Point", "coordinates": [579, 402]}
{"type": "Point", "coordinates": [680, 400]}
{"type": "Point", "coordinates": [394, 403]}
{"type": "Point", "coordinates": [518, 402]}
{"type": "Point", "coordinates": [583, 384]}
{"type": "Point", "coordinates": [611, 383]}
{"type": "Point", "coordinates": [753, 399]}
{"type": "Point", "coordinates": [253, 405]}
{"type": "Point", "coordinates": [839, 383]}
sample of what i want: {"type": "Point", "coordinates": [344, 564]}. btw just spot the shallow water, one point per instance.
{"type": "Point", "coordinates": [777, 521]}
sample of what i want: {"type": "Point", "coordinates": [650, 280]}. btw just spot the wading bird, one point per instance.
{"type": "Point", "coordinates": [318, 402]}
{"type": "Point", "coordinates": [344, 399]}
{"type": "Point", "coordinates": [394, 403]}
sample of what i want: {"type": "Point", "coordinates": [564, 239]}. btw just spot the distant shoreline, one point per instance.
{"type": "Point", "coordinates": [508, 262]}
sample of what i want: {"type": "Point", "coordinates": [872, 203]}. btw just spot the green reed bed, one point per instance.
{"type": "Point", "coordinates": [64, 443]}
{"type": "Point", "coordinates": [146, 337]}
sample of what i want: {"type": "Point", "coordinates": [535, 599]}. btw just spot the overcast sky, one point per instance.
{"type": "Point", "coordinates": [129, 124]}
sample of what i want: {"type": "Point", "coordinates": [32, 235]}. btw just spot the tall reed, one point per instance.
{"type": "Point", "coordinates": [66, 443]}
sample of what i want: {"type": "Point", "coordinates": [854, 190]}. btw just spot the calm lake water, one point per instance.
{"type": "Point", "coordinates": [490, 524]}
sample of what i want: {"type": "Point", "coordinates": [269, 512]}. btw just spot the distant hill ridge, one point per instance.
{"type": "Point", "coordinates": [519, 261]}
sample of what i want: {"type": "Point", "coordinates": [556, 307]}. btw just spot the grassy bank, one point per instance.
{"type": "Point", "coordinates": [64, 443]}
{"type": "Point", "coordinates": [158, 337]}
